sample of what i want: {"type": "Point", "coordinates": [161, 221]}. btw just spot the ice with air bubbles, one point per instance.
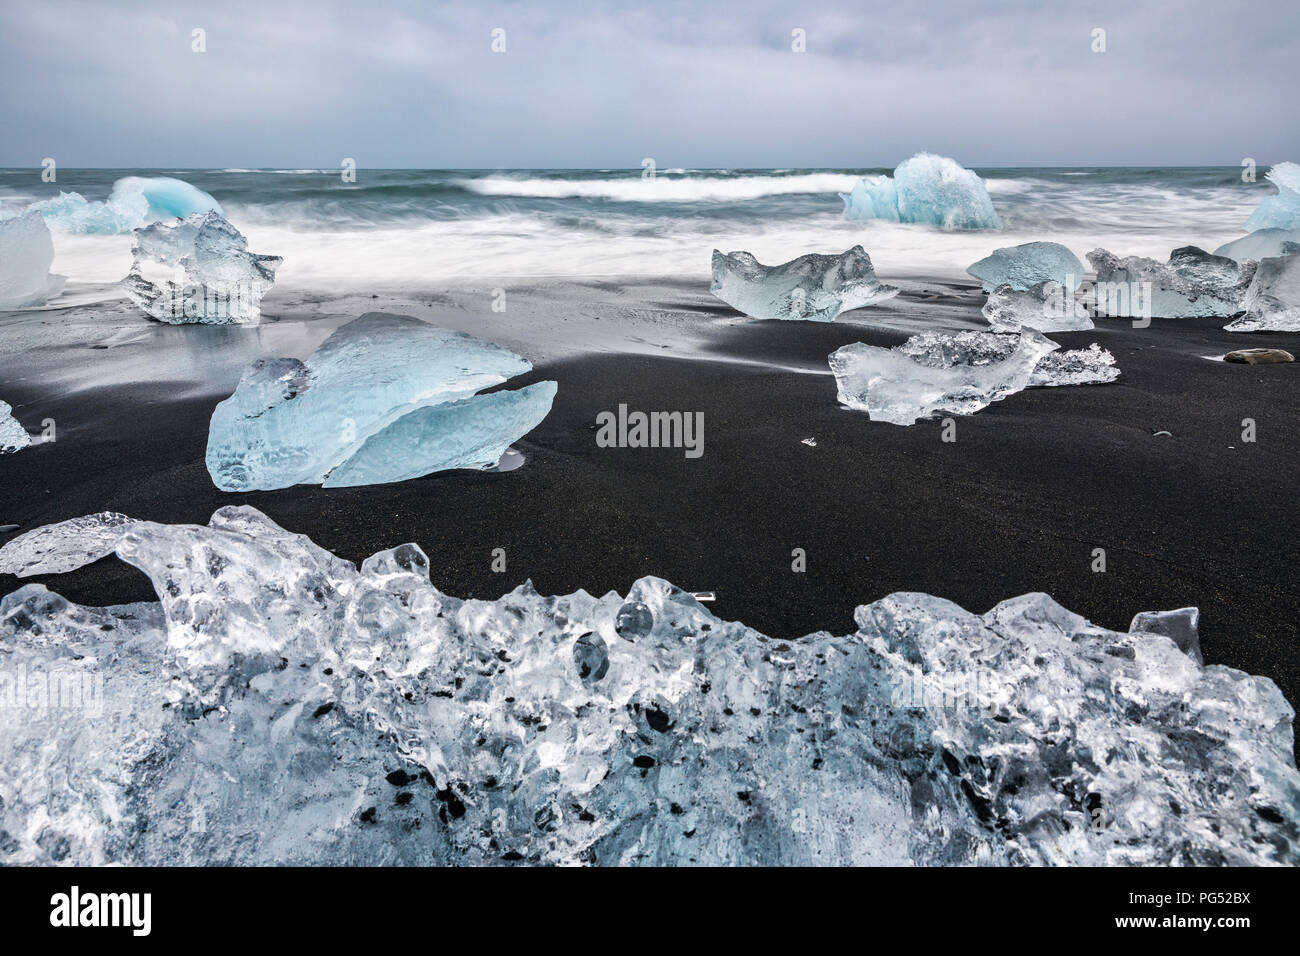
{"type": "Point", "coordinates": [198, 270]}
{"type": "Point", "coordinates": [815, 286]}
{"type": "Point", "coordinates": [279, 705]}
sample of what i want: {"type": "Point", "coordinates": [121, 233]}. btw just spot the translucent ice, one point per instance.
{"type": "Point", "coordinates": [1048, 307]}
{"type": "Point", "coordinates": [1280, 211]}
{"type": "Point", "coordinates": [1180, 626]}
{"type": "Point", "coordinates": [1091, 366]}
{"type": "Point", "coordinates": [134, 202]}
{"type": "Point", "coordinates": [1194, 283]}
{"type": "Point", "coordinates": [956, 372]}
{"type": "Point", "coordinates": [198, 270]}
{"type": "Point", "coordinates": [926, 189]}
{"type": "Point", "coordinates": [1272, 302]}
{"type": "Point", "coordinates": [13, 436]}
{"type": "Point", "coordinates": [26, 251]}
{"type": "Point", "coordinates": [815, 286]}
{"type": "Point", "coordinates": [1025, 266]}
{"type": "Point", "coordinates": [1261, 244]}
{"type": "Point", "coordinates": [385, 398]}
{"type": "Point", "coordinates": [278, 705]}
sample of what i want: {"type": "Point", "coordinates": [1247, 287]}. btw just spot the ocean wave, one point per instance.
{"type": "Point", "coordinates": [662, 188]}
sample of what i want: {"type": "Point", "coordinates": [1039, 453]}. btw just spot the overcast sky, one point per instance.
{"type": "Point", "coordinates": [288, 84]}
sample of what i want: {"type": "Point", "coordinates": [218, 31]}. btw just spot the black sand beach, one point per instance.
{"type": "Point", "coordinates": [1017, 503]}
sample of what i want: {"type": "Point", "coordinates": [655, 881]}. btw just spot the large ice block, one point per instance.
{"type": "Point", "coordinates": [26, 252]}
{"type": "Point", "coordinates": [198, 270]}
{"type": "Point", "coordinates": [815, 286]}
{"type": "Point", "coordinates": [1262, 244]}
{"type": "Point", "coordinates": [13, 437]}
{"type": "Point", "coordinates": [385, 398]}
{"type": "Point", "coordinates": [1048, 307]}
{"type": "Point", "coordinates": [1280, 211]}
{"type": "Point", "coordinates": [1193, 284]}
{"type": "Point", "coordinates": [1027, 265]}
{"type": "Point", "coordinates": [135, 201]}
{"type": "Point", "coordinates": [929, 189]}
{"type": "Point", "coordinates": [955, 372]}
{"type": "Point", "coordinates": [278, 705]}
{"type": "Point", "coordinates": [1272, 302]}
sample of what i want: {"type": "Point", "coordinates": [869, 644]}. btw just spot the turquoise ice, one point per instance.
{"type": "Point", "coordinates": [385, 398]}
{"type": "Point", "coordinates": [1262, 244]}
{"type": "Point", "coordinates": [1281, 211]}
{"type": "Point", "coordinates": [929, 189]}
{"type": "Point", "coordinates": [135, 201]}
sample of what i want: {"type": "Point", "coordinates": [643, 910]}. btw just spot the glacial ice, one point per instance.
{"type": "Point", "coordinates": [926, 188]}
{"type": "Point", "coordinates": [1280, 211]}
{"type": "Point", "coordinates": [384, 398]}
{"type": "Point", "coordinates": [26, 251]}
{"type": "Point", "coordinates": [1193, 284]}
{"type": "Point", "coordinates": [959, 372]}
{"type": "Point", "coordinates": [935, 372]}
{"type": "Point", "coordinates": [1272, 302]}
{"type": "Point", "coordinates": [135, 201]}
{"type": "Point", "coordinates": [13, 437]}
{"type": "Point", "coordinates": [815, 286]}
{"type": "Point", "coordinates": [1048, 307]}
{"type": "Point", "coordinates": [198, 270]}
{"type": "Point", "coordinates": [1091, 366]}
{"type": "Point", "coordinates": [1262, 244]}
{"type": "Point", "coordinates": [1027, 265]}
{"type": "Point", "coordinates": [1180, 626]}
{"type": "Point", "coordinates": [278, 705]}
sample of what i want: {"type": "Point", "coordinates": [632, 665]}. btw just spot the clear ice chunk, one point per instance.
{"type": "Point", "coordinates": [198, 270]}
{"type": "Point", "coordinates": [1180, 626]}
{"type": "Point", "coordinates": [1091, 366]}
{"type": "Point", "coordinates": [1027, 265]}
{"type": "Point", "coordinates": [815, 286]}
{"type": "Point", "coordinates": [955, 372]}
{"type": "Point", "coordinates": [1048, 307]}
{"type": "Point", "coordinates": [135, 201]}
{"type": "Point", "coordinates": [26, 252]}
{"type": "Point", "coordinates": [1261, 244]}
{"type": "Point", "coordinates": [13, 437]}
{"type": "Point", "coordinates": [1282, 210]}
{"type": "Point", "coordinates": [278, 705]}
{"type": "Point", "coordinates": [66, 546]}
{"type": "Point", "coordinates": [1192, 284]}
{"type": "Point", "coordinates": [926, 188]}
{"type": "Point", "coordinates": [384, 398]}
{"type": "Point", "coordinates": [1272, 302]}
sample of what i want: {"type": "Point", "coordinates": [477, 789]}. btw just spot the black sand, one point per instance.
{"type": "Point", "coordinates": [1018, 503]}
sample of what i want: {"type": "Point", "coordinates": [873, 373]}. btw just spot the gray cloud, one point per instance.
{"type": "Point", "coordinates": [605, 84]}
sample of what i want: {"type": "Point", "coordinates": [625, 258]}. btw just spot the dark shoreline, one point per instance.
{"type": "Point", "coordinates": [1018, 503]}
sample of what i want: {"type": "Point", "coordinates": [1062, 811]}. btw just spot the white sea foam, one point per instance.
{"type": "Point", "coordinates": [663, 188]}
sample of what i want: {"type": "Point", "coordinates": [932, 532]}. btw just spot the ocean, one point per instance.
{"type": "Point", "coordinates": [406, 228]}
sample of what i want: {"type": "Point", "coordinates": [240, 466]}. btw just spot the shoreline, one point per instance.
{"type": "Point", "coordinates": [1018, 503]}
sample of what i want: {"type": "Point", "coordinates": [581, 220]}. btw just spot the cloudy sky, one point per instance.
{"type": "Point", "coordinates": [586, 84]}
